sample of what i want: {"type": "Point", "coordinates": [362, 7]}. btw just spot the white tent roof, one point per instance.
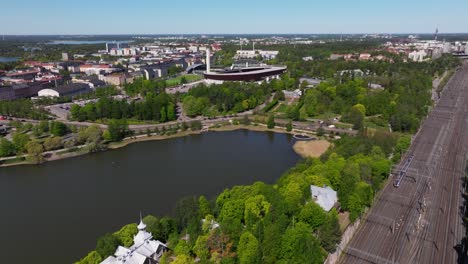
{"type": "Point", "coordinates": [325, 197]}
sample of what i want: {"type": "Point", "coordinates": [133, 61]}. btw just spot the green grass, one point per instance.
{"type": "Point", "coordinates": [12, 161]}
{"type": "Point", "coordinates": [178, 80]}
{"type": "Point", "coordinates": [343, 125]}
{"type": "Point", "coordinates": [282, 108]}
{"type": "Point", "coordinates": [371, 124]}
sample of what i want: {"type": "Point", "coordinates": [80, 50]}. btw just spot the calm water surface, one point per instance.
{"type": "Point", "coordinates": [80, 42]}
{"type": "Point", "coordinates": [54, 213]}
{"type": "Point", "coordinates": [8, 59]}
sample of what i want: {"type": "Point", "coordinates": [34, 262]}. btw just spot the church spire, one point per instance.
{"type": "Point", "coordinates": [141, 226]}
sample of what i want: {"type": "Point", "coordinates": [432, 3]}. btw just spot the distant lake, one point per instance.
{"type": "Point", "coordinates": [8, 59]}
{"type": "Point", "coordinates": [55, 212]}
{"type": "Point", "coordinates": [80, 42]}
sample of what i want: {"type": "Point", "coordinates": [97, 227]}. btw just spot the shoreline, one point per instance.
{"type": "Point", "coordinates": [143, 138]}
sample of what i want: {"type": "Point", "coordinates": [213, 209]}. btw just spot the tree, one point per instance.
{"type": "Point", "coordinates": [271, 122]}
{"type": "Point", "coordinates": [20, 140]}
{"type": "Point", "coordinates": [125, 234]}
{"type": "Point", "coordinates": [248, 249]}
{"type": "Point", "coordinates": [7, 148]}
{"type": "Point", "coordinates": [58, 129]}
{"type": "Point", "coordinates": [320, 131]}
{"type": "Point", "coordinates": [182, 248]}
{"type": "Point", "coordinates": [118, 129]}
{"type": "Point", "coordinates": [92, 258]}
{"type": "Point", "coordinates": [183, 259]}
{"type": "Point", "coordinates": [256, 207]}
{"type": "Point", "coordinates": [204, 205]}
{"type": "Point", "coordinates": [52, 143]}
{"type": "Point", "coordinates": [201, 248]}
{"type": "Point", "coordinates": [313, 215]}
{"type": "Point", "coordinates": [300, 246]}
{"type": "Point", "coordinates": [106, 245]}
{"type": "Point", "coordinates": [186, 212]}
{"type": "Point", "coordinates": [171, 113]}
{"type": "Point", "coordinates": [357, 115]}
{"type": "Point", "coordinates": [289, 126]}
{"type": "Point", "coordinates": [330, 233]}
{"type": "Point", "coordinates": [163, 114]}
{"type": "Point", "coordinates": [35, 150]}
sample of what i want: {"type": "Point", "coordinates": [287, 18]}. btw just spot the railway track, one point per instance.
{"type": "Point", "coordinates": [420, 221]}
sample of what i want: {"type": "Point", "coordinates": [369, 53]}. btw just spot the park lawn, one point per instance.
{"type": "Point", "coordinates": [178, 80]}
{"type": "Point", "coordinates": [282, 108]}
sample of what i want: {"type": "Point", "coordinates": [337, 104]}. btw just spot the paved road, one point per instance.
{"type": "Point", "coordinates": [420, 222]}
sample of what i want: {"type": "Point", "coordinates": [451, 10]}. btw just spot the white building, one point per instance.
{"type": "Point", "coordinates": [145, 250]}
{"type": "Point", "coordinates": [123, 52]}
{"type": "Point", "coordinates": [252, 54]}
{"type": "Point", "coordinates": [417, 56]}
{"type": "Point", "coordinates": [446, 47]}
{"type": "Point", "coordinates": [296, 94]}
{"type": "Point", "coordinates": [325, 197]}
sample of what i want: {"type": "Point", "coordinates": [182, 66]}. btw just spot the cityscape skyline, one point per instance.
{"type": "Point", "coordinates": [240, 17]}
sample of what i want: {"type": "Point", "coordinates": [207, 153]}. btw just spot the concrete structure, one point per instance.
{"type": "Point", "coordinates": [466, 48]}
{"type": "Point", "coordinates": [144, 250]}
{"type": "Point", "coordinates": [326, 197]}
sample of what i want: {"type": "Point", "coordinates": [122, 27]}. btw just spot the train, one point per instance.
{"type": "Point", "coordinates": [402, 172]}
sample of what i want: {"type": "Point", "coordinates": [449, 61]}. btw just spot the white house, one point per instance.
{"type": "Point", "coordinates": [145, 250]}
{"type": "Point", "coordinates": [326, 197]}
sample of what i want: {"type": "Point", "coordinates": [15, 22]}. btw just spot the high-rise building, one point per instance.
{"type": "Point", "coordinates": [65, 56]}
{"type": "Point", "coordinates": [116, 45]}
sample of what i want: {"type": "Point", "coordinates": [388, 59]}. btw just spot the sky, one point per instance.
{"type": "Point", "coordinates": [39, 17]}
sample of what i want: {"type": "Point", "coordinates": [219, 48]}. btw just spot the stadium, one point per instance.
{"type": "Point", "coordinates": [248, 72]}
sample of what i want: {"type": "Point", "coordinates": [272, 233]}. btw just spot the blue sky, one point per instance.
{"type": "Point", "coordinates": [231, 16]}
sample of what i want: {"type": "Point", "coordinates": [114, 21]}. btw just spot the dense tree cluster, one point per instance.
{"type": "Point", "coordinates": [158, 107]}
{"type": "Point", "coordinates": [402, 104]}
{"type": "Point", "coordinates": [22, 108]}
{"type": "Point", "coordinates": [225, 98]}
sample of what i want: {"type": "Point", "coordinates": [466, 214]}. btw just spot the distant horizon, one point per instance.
{"type": "Point", "coordinates": [90, 17]}
{"type": "Point", "coordinates": [235, 34]}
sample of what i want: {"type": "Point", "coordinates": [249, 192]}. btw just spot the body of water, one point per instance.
{"type": "Point", "coordinates": [8, 59]}
{"type": "Point", "coordinates": [80, 42]}
{"type": "Point", "coordinates": [54, 213]}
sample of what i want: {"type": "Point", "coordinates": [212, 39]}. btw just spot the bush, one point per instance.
{"type": "Point", "coordinates": [196, 125]}
{"type": "Point", "coordinates": [271, 122]}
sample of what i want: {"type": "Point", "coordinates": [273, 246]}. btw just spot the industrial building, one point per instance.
{"type": "Point", "coordinates": [65, 90]}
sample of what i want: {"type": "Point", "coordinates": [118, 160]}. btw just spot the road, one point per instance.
{"type": "Point", "coordinates": [420, 222]}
